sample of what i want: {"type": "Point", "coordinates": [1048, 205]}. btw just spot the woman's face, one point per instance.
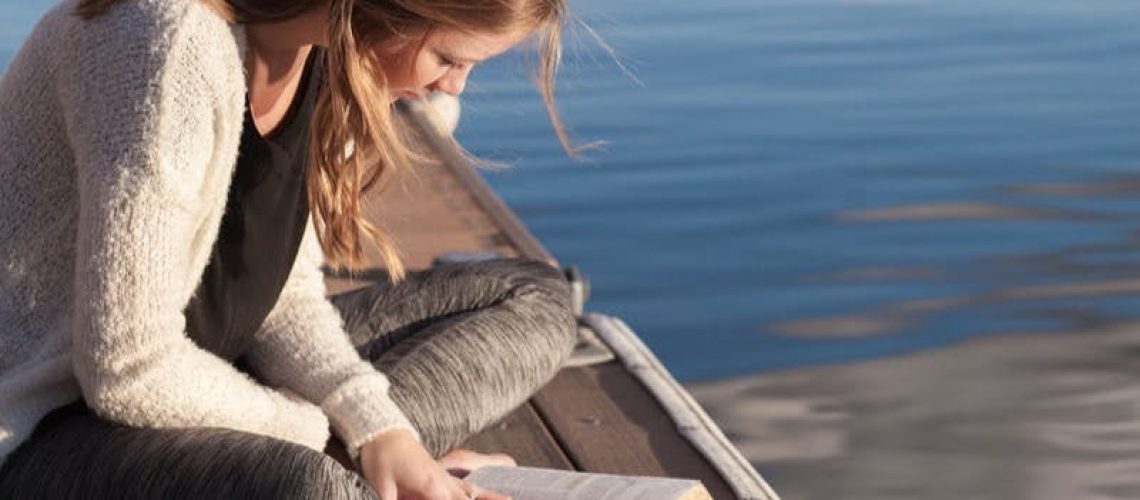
{"type": "Point", "coordinates": [442, 63]}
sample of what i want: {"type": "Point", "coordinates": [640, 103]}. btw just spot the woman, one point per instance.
{"type": "Point", "coordinates": [175, 172]}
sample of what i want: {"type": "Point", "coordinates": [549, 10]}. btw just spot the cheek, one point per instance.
{"type": "Point", "coordinates": [427, 71]}
{"type": "Point", "coordinates": [397, 68]}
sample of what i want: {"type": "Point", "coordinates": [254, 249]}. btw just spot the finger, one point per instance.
{"type": "Point", "coordinates": [454, 459]}
{"type": "Point", "coordinates": [481, 460]}
{"type": "Point", "coordinates": [460, 492]}
{"type": "Point", "coordinates": [504, 459]}
{"type": "Point", "coordinates": [469, 460]}
{"type": "Point", "coordinates": [491, 495]}
{"type": "Point", "coordinates": [387, 490]}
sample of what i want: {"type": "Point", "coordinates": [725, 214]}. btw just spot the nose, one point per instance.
{"type": "Point", "coordinates": [453, 82]}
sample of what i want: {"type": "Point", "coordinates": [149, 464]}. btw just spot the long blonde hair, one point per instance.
{"type": "Point", "coordinates": [355, 139]}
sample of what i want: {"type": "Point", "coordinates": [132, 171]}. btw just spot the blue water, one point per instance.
{"type": "Point", "coordinates": [727, 202]}
{"type": "Point", "coordinates": [889, 243]}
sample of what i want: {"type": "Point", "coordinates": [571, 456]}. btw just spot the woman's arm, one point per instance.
{"type": "Point", "coordinates": [149, 105]}
{"type": "Point", "coordinates": [302, 345]}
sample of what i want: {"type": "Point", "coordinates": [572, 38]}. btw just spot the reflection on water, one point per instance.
{"type": "Point", "coordinates": [1049, 415]}
{"type": "Point", "coordinates": [961, 210]}
{"type": "Point", "coordinates": [1041, 412]}
{"type": "Point", "coordinates": [1064, 274]}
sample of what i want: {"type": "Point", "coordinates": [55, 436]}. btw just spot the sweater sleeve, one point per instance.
{"type": "Point", "coordinates": [302, 345]}
{"type": "Point", "coordinates": [143, 110]}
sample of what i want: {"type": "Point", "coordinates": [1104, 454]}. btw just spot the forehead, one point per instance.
{"type": "Point", "coordinates": [472, 46]}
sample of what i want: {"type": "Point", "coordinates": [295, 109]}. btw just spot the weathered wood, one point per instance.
{"type": "Point", "coordinates": [430, 212]}
{"type": "Point", "coordinates": [523, 436]}
{"type": "Point", "coordinates": [489, 203]}
{"type": "Point", "coordinates": [426, 214]}
{"type": "Point", "coordinates": [606, 421]}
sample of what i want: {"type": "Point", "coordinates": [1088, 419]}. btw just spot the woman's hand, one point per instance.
{"type": "Point", "coordinates": [400, 468]}
{"type": "Point", "coordinates": [460, 462]}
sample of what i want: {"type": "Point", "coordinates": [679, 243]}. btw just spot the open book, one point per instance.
{"type": "Point", "coordinates": [529, 483]}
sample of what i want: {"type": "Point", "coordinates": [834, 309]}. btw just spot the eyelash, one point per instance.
{"type": "Point", "coordinates": [447, 62]}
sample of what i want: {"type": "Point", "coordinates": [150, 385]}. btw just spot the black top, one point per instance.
{"type": "Point", "coordinates": [261, 230]}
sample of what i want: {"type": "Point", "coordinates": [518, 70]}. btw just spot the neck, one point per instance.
{"type": "Point", "coordinates": [283, 39]}
{"type": "Point", "coordinates": [275, 58]}
{"type": "Point", "coordinates": [275, 47]}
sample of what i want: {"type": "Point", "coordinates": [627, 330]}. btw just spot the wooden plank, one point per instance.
{"type": "Point", "coordinates": [524, 436]}
{"type": "Point", "coordinates": [606, 421]}
{"type": "Point", "coordinates": [431, 213]}
{"type": "Point", "coordinates": [465, 176]}
{"type": "Point", "coordinates": [426, 215]}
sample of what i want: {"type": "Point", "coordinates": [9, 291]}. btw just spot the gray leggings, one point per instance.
{"type": "Point", "coordinates": [462, 344]}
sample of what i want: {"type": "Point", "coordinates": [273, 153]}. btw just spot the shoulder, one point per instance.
{"type": "Point", "coordinates": [141, 23]}
{"type": "Point", "coordinates": [145, 21]}
{"type": "Point", "coordinates": [156, 85]}
{"type": "Point", "coordinates": [142, 55]}
{"type": "Point", "coordinates": [140, 39]}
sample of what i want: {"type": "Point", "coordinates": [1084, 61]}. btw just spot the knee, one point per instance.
{"type": "Point", "coordinates": [85, 453]}
{"type": "Point", "coordinates": [279, 469]}
{"type": "Point", "coordinates": [310, 474]}
{"type": "Point", "coordinates": [541, 295]}
{"type": "Point", "coordinates": [529, 277]}
{"type": "Point", "coordinates": [211, 462]}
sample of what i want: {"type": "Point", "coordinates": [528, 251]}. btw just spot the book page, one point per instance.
{"type": "Point", "coordinates": [529, 483]}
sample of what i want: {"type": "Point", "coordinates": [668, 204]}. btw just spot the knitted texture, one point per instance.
{"type": "Point", "coordinates": [118, 140]}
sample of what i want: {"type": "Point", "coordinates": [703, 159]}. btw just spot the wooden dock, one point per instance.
{"type": "Point", "coordinates": [597, 418]}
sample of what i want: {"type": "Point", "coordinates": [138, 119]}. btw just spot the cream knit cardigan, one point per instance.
{"type": "Point", "coordinates": [118, 139]}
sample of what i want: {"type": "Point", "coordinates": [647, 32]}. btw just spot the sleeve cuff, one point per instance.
{"type": "Point", "coordinates": [360, 409]}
